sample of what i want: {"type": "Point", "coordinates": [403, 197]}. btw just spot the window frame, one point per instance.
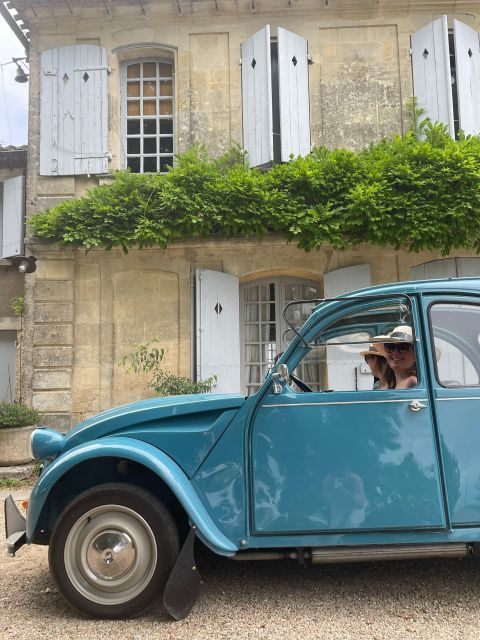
{"type": "Point", "coordinates": [124, 155]}
{"type": "Point", "coordinates": [464, 353]}
{"type": "Point", "coordinates": [360, 305]}
{"type": "Point", "coordinates": [279, 281]}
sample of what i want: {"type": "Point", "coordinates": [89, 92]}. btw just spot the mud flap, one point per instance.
{"type": "Point", "coordinates": [15, 527]}
{"type": "Point", "coordinates": [184, 583]}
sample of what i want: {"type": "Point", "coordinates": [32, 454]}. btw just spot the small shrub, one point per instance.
{"type": "Point", "coordinates": [17, 415]}
{"type": "Point", "coordinates": [18, 306]}
{"type": "Point", "coordinates": [149, 359]}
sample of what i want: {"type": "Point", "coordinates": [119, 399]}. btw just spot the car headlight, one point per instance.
{"type": "Point", "coordinates": [46, 443]}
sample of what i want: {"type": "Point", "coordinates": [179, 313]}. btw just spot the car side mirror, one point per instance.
{"type": "Point", "coordinates": [280, 377]}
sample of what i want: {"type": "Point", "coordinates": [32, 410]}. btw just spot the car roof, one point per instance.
{"type": "Point", "coordinates": [410, 287]}
{"type": "Point", "coordinates": [440, 285]}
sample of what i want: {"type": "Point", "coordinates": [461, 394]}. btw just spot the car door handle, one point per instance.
{"type": "Point", "coordinates": [416, 405]}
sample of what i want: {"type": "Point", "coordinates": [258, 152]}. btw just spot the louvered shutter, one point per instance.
{"type": "Point", "coordinates": [257, 98]}
{"type": "Point", "coordinates": [218, 329]}
{"type": "Point", "coordinates": [467, 58]}
{"type": "Point", "coordinates": [73, 111]}
{"type": "Point", "coordinates": [12, 217]}
{"type": "Point", "coordinates": [293, 94]}
{"type": "Point", "coordinates": [431, 72]}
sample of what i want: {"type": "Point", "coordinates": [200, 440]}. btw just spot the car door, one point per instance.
{"type": "Point", "coordinates": [454, 360]}
{"type": "Point", "coordinates": [346, 460]}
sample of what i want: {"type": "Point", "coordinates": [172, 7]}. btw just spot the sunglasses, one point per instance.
{"type": "Point", "coordinates": [370, 357]}
{"type": "Point", "coordinates": [401, 347]}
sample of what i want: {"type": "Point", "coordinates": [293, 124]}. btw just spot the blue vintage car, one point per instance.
{"type": "Point", "coordinates": [316, 467]}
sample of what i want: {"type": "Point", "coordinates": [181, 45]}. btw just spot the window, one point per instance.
{"type": "Point", "coordinates": [149, 114]}
{"type": "Point", "coordinates": [275, 96]}
{"type": "Point", "coordinates": [456, 335]}
{"type": "Point", "coordinates": [265, 332]}
{"type": "Point", "coordinates": [337, 348]}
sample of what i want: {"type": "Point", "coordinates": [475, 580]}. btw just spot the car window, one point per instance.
{"type": "Point", "coordinates": [336, 361]}
{"type": "Point", "coordinates": [456, 335]}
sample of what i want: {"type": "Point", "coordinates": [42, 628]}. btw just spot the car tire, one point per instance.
{"type": "Point", "coordinates": [112, 550]}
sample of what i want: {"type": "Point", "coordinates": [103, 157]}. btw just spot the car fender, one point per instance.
{"type": "Point", "coordinates": [142, 453]}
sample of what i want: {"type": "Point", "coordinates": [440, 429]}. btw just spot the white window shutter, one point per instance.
{"type": "Point", "coordinates": [74, 111]}
{"type": "Point", "coordinates": [467, 57]}
{"type": "Point", "coordinates": [340, 281]}
{"type": "Point", "coordinates": [218, 329]}
{"type": "Point", "coordinates": [444, 268]}
{"type": "Point", "coordinates": [293, 94]}
{"type": "Point", "coordinates": [12, 217]}
{"type": "Point", "coordinates": [257, 98]}
{"type": "Point", "coordinates": [431, 72]}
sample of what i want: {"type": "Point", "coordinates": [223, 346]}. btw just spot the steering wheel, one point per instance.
{"type": "Point", "coordinates": [303, 386]}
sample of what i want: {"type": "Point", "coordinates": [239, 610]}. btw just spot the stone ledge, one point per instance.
{"type": "Point", "coordinates": [19, 472]}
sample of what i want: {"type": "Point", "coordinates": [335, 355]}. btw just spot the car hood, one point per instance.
{"type": "Point", "coordinates": [151, 410]}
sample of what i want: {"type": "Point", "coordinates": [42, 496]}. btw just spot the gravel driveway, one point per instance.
{"type": "Point", "coordinates": [426, 599]}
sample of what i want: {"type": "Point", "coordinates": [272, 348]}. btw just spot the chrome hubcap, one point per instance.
{"type": "Point", "coordinates": [111, 554]}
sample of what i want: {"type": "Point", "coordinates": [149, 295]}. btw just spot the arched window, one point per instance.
{"type": "Point", "coordinates": [264, 331]}
{"type": "Point", "coordinates": [148, 115]}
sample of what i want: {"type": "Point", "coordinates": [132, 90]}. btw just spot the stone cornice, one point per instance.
{"type": "Point", "coordinates": [42, 11]}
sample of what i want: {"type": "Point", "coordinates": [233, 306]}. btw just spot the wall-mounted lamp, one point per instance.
{"type": "Point", "coordinates": [25, 264]}
{"type": "Point", "coordinates": [20, 75]}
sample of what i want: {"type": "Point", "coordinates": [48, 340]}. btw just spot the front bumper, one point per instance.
{"type": "Point", "coordinates": [15, 527]}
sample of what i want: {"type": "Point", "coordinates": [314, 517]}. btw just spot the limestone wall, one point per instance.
{"type": "Point", "coordinates": [89, 310]}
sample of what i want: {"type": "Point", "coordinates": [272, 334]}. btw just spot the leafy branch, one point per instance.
{"type": "Point", "coordinates": [149, 359]}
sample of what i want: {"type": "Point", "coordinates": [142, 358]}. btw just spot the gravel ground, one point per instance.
{"type": "Point", "coordinates": [426, 599]}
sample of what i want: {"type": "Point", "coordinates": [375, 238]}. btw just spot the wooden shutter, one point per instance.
{"type": "Point", "coordinates": [346, 372]}
{"type": "Point", "coordinates": [431, 72]}
{"type": "Point", "coordinates": [12, 217]}
{"type": "Point", "coordinates": [73, 110]}
{"type": "Point", "coordinates": [218, 329]}
{"type": "Point", "coordinates": [467, 58]}
{"type": "Point", "coordinates": [293, 94]}
{"type": "Point", "coordinates": [348, 279]}
{"type": "Point", "coordinates": [257, 98]}
{"type": "Point", "coordinates": [445, 268]}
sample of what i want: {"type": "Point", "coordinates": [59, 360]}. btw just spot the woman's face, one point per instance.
{"type": "Point", "coordinates": [400, 356]}
{"type": "Point", "coordinates": [376, 365]}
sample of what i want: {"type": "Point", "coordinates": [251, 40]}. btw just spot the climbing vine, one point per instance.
{"type": "Point", "coordinates": [420, 191]}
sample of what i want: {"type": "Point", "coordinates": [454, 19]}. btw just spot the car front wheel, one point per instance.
{"type": "Point", "coordinates": [112, 550]}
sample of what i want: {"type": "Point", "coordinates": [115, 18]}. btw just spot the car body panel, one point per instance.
{"type": "Point", "coordinates": [142, 453]}
{"type": "Point", "coordinates": [149, 411]}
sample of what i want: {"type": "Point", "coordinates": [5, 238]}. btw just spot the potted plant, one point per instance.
{"type": "Point", "coordinates": [16, 425]}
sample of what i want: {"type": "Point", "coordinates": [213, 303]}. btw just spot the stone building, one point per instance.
{"type": "Point", "coordinates": [129, 83]}
{"type": "Point", "coordinates": [13, 166]}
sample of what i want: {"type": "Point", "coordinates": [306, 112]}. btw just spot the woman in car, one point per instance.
{"type": "Point", "coordinates": [376, 358]}
{"type": "Point", "coordinates": [400, 355]}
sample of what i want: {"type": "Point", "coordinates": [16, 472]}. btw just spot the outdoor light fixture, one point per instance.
{"type": "Point", "coordinates": [20, 75]}
{"type": "Point", "coordinates": [27, 264]}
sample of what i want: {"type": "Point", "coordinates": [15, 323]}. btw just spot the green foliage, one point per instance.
{"type": "Point", "coordinates": [18, 306]}
{"type": "Point", "coordinates": [150, 360]}
{"type": "Point", "coordinates": [17, 415]}
{"type": "Point", "coordinates": [10, 483]}
{"type": "Point", "coordinates": [420, 192]}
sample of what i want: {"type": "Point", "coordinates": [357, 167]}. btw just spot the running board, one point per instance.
{"type": "Point", "coordinates": [334, 555]}
{"type": "Point", "coordinates": [374, 554]}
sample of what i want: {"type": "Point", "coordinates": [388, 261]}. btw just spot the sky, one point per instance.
{"type": "Point", "coordinates": [13, 95]}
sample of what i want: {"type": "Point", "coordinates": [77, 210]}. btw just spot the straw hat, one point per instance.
{"type": "Point", "coordinates": [375, 348]}
{"type": "Point", "coordinates": [403, 333]}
